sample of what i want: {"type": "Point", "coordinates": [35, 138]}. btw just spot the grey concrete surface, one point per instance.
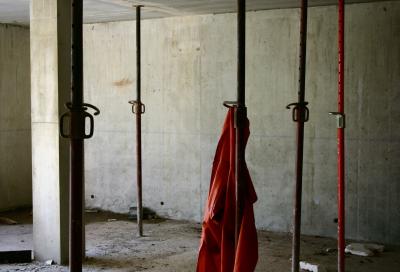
{"type": "Point", "coordinates": [15, 124]}
{"type": "Point", "coordinates": [189, 68]}
{"type": "Point", "coordinates": [172, 246]}
{"type": "Point", "coordinates": [95, 11]}
{"type": "Point", "coordinates": [50, 88]}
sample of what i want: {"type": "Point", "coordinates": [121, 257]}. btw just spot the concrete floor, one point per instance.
{"type": "Point", "coordinates": [171, 246]}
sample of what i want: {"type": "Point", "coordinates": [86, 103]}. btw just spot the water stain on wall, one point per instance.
{"type": "Point", "coordinates": [123, 82]}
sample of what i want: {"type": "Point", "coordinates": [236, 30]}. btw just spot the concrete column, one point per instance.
{"type": "Point", "coordinates": [50, 88]}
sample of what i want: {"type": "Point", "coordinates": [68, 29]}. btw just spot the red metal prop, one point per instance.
{"type": "Point", "coordinates": [217, 248]}
{"type": "Point", "coordinates": [341, 127]}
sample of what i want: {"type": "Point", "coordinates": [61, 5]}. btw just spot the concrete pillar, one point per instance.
{"type": "Point", "coordinates": [50, 88]}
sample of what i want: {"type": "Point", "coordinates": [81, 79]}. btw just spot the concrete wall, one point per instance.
{"type": "Point", "coordinates": [15, 124]}
{"type": "Point", "coordinates": [189, 68]}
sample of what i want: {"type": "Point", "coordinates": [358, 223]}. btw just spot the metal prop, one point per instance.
{"type": "Point", "coordinates": [300, 115]}
{"type": "Point", "coordinates": [76, 134]}
{"type": "Point", "coordinates": [340, 117]}
{"type": "Point", "coordinates": [138, 108]}
{"type": "Point", "coordinates": [240, 115]}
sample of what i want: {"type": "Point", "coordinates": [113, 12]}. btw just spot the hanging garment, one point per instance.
{"type": "Point", "coordinates": [217, 246]}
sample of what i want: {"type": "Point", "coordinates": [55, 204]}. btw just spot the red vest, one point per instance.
{"type": "Point", "coordinates": [217, 248]}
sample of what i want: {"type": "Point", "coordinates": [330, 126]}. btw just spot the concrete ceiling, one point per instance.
{"type": "Point", "coordinates": [17, 11]}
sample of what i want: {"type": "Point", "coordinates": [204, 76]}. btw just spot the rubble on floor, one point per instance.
{"type": "Point", "coordinates": [312, 267]}
{"type": "Point", "coordinates": [148, 214]}
{"type": "Point", "coordinates": [364, 250]}
{"type": "Point", "coordinates": [172, 246]}
{"type": "Point", "coordinates": [7, 221]}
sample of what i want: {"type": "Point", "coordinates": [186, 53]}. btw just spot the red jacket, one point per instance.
{"type": "Point", "coordinates": [217, 248]}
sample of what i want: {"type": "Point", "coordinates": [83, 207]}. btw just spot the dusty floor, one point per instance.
{"type": "Point", "coordinates": [171, 246]}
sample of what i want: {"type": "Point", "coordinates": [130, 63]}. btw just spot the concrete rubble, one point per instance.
{"type": "Point", "coordinates": [312, 267]}
{"type": "Point", "coordinates": [50, 262]}
{"type": "Point", "coordinates": [364, 250]}
{"type": "Point", "coordinates": [7, 221]}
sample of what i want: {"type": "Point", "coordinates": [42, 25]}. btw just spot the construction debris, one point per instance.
{"type": "Point", "coordinates": [364, 250]}
{"type": "Point", "coordinates": [311, 267]}
{"type": "Point", "coordinates": [91, 211]}
{"type": "Point", "coordinates": [330, 250]}
{"type": "Point", "coordinates": [50, 262]}
{"type": "Point", "coordinates": [147, 213]}
{"type": "Point", "coordinates": [7, 221]}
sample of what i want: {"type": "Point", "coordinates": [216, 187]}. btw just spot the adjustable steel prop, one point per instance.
{"type": "Point", "coordinates": [77, 116]}
{"type": "Point", "coordinates": [138, 108]}
{"type": "Point", "coordinates": [340, 116]}
{"type": "Point", "coordinates": [300, 115]}
{"type": "Point", "coordinates": [240, 116]}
